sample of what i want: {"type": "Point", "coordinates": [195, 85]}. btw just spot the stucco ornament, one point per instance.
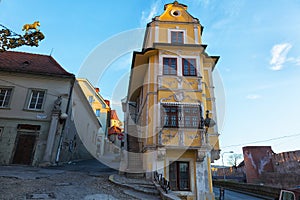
{"type": "Point", "coordinates": [34, 25]}
{"type": "Point", "coordinates": [201, 155]}
{"type": "Point", "coordinates": [57, 104]}
{"type": "Point", "coordinates": [161, 154]}
{"type": "Point", "coordinates": [179, 96]}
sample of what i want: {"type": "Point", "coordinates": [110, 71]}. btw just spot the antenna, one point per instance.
{"type": "Point", "coordinates": [51, 49]}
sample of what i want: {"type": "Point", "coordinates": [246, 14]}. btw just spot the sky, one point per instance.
{"type": "Point", "coordinates": [257, 78]}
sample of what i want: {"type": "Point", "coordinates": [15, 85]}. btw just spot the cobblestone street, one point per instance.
{"type": "Point", "coordinates": [74, 181]}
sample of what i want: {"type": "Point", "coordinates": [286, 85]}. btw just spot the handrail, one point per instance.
{"type": "Point", "coordinates": [164, 183]}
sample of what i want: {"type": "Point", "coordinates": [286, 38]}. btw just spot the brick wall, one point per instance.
{"type": "Point", "coordinates": [262, 165]}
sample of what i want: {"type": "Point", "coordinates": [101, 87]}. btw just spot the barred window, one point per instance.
{"type": "Point", "coordinates": [189, 114]}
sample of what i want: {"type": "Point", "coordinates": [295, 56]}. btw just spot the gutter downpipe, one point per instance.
{"type": "Point", "coordinates": [63, 128]}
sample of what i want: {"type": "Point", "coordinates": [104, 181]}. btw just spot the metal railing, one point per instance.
{"type": "Point", "coordinates": [164, 183]}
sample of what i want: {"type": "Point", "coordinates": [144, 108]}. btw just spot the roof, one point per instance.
{"type": "Point", "coordinates": [22, 62]}
{"type": "Point", "coordinates": [114, 130]}
{"type": "Point", "coordinates": [113, 115]}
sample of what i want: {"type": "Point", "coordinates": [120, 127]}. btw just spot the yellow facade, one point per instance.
{"type": "Point", "coordinates": [99, 106]}
{"type": "Point", "coordinates": [170, 89]}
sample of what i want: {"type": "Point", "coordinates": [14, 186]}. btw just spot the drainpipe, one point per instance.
{"type": "Point", "coordinates": [63, 128]}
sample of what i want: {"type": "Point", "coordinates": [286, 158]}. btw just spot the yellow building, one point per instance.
{"type": "Point", "coordinates": [170, 93]}
{"type": "Point", "coordinates": [101, 109]}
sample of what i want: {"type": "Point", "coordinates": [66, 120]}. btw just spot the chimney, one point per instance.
{"type": "Point", "coordinates": [107, 102]}
{"type": "Point", "coordinates": [97, 90]}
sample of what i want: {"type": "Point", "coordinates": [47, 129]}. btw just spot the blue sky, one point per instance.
{"type": "Point", "coordinates": [258, 42]}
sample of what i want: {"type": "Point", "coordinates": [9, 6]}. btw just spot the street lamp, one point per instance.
{"type": "Point", "coordinates": [224, 176]}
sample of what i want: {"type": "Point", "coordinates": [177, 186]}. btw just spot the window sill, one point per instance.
{"type": "Point", "coordinates": [190, 75]}
{"type": "Point", "coordinates": [31, 110]}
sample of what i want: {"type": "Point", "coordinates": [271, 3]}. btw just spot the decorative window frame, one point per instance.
{"type": "Point", "coordinates": [28, 99]}
{"type": "Point", "coordinates": [177, 30]}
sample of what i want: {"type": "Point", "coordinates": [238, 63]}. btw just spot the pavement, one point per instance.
{"type": "Point", "coordinates": [33, 182]}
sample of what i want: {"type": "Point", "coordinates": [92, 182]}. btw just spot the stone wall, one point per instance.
{"type": "Point", "coordinates": [287, 162]}
{"type": "Point", "coordinates": [263, 166]}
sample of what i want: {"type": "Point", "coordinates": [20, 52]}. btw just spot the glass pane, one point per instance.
{"type": "Point", "coordinates": [184, 176]}
{"type": "Point", "coordinates": [180, 37]}
{"type": "Point", "coordinates": [173, 175]}
{"type": "Point", "coordinates": [173, 36]}
{"type": "Point", "coordinates": [98, 113]}
{"type": "Point", "coordinates": [287, 196]}
{"type": "Point", "coordinates": [6, 101]}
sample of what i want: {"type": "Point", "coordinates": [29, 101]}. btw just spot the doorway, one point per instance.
{"type": "Point", "coordinates": [25, 147]}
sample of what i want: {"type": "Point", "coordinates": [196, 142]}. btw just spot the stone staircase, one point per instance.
{"type": "Point", "coordinates": [136, 188]}
{"type": "Point", "coordinates": [135, 156]}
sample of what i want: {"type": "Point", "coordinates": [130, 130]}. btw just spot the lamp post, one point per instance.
{"type": "Point", "coordinates": [224, 176]}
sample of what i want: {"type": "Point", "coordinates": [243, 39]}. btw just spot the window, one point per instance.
{"type": "Point", "coordinates": [36, 99]}
{"type": "Point", "coordinates": [189, 67]}
{"type": "Point", "coordinates": [97, 112]}
{"type": "Point", "coordinates": [179, 174]}
{"type": "Point", "coordinates": [5, 94]}
{"type": "Point", "coordinates": [91, 99]}
{"type": "Point", "coordinates": [170, 116]}
{"type": "Point", "coordinates": [191, 116]}
{"type": "Point", "coordinates": [177, 37]}
{"type": "Point", "coordinates": [170, 66]}
{"type": "Point", "coordinates": [183, 116]}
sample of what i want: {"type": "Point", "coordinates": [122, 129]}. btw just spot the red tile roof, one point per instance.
{"type": "Point", "coordinates": [113, 115]}
{"type": "Point", "coordinates": [114, 130]}
{"type": "Point", "coordinates": [21, 62]}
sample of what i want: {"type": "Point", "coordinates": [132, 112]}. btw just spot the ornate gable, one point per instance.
{"type": "Point", "coordinates": [176, 12]}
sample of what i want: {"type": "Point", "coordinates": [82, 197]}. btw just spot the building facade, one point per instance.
{"type": "Point", "coordinates": [35, 94]}
{"type": "Point", "coordinates": [94, 134]}
{"type": "Point", "coordinates": [170, 93]}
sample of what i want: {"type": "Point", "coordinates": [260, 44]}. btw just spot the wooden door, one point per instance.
{"type": "Point", "coordinates": [24, 149]}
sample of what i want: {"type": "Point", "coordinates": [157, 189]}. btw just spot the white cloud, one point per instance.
{"type": "Point", "coordinates": [279, 55]}
{"type": "Point", "coordinates": [148, 15]}
{"type": "Point", "coordinates": [296, 61]}
{"type": "Point", "coordinates": [253, 96]}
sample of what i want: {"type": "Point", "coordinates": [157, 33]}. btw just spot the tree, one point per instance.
{"type": "Point", "coordinates": [234, 159]}
{"type": "Point", "coordinates": [11, 40]}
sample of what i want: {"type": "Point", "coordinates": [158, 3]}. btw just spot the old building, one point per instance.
{"type": "Point", "coordinates": [95, 137]}
{"type": "Point", "coordinates": [35, 94]}
{"type": "Point", "coordinates": [170, 93]}
{"type": "Point", "coordinates": [115, 130]}
{"type": "Point", "coordinates": [263, 166]}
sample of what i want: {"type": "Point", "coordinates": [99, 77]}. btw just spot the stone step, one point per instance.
{"type": "Point", "coordinates": [139, 185]}
{"type": "Point", "coordinates": [140, 195]}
